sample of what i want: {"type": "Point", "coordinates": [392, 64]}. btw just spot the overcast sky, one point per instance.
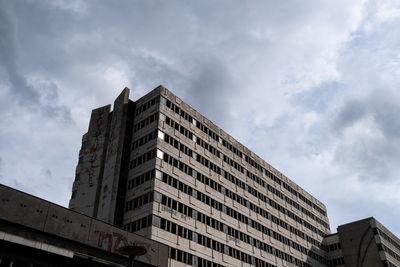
{"type": "Point", "coordinates": [312, 87]}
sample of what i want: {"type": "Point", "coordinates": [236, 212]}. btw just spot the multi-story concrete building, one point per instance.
{"type": "Point", "coordinates": [160, 169]}
{"type": "Point", "coordinates": [365, 243]}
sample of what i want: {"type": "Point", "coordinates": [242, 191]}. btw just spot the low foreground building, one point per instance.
{"type": "Point", "coordinates": [35, 233]}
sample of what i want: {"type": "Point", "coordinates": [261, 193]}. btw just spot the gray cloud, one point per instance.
{"type": "Point", "coordinates": [25, 93]}
{"type": "Point", "coordinates": [208, 88]}
{"type": "Point", "coordinates": [352, 111]}
{"type": "Point", "coordinates": [386, 110]}
{"type": "Point", "coordinates": [49, 101]}
{"type": "Point", "coordinates": [381, 105]}
{"type": "Point", "coordinates": [8, 54]}
{"type": "Point", "coordinates": [370, 130]}
{"type": "Point", "coordinates": [48, 173]}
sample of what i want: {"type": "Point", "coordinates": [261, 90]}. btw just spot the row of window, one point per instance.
{"type": "Point", "coordinates": [140, 179]}
{"type": "Point", "coordinates": [188, 170]}
{"type": "Point", "coordinates": [139, 201]}
{"type": "Point", "coordinates": [208, 147]}
{"type": "Point", "coordinates": [257, 194]}
{"type": "Point", "coordinates": [142, 158]}
{"type": "Point", "coordinates": [234, 164]}
{"type": "Point", "coordinates": [382, 247]}
{"type": "Point", "coordinates": [144, 139]}
{"type": "Point", "coordinates": [336, 262]}
{"type": "Point", "coordinates": [237, 166]}
{"type": "Point", "coordinates": [143, 123]}
{"type": "Point", "coordinates": [174, 205]}
{"type": "Point", "coordinates": [225, 228]}
{"type": "Point", "coordinates": [333, 247]}
{"type": "Point", "coordinates": [207, 242]}
{"type": "Point", "coordinates": [179, 146]}
{"type": "Point", "coordinates": [236, 151]}
{"type": "Point", "coordinates": [147, 105]}
{"type": "Point", "coordinates": [139, 224]}
{"type": "Point", "coordinates": [387, 263]}
{"type": "Point", "coordinates": [378, 231]}
{"type": "Point", "coordinates": [190, 259]}
{"type": "Point", "coordinates": [177, 127]}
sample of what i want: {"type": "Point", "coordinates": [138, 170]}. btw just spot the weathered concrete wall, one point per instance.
{"type": "Point", "coordinates": [25, 210]}
{"type": "Point", "coordinates": [89, 172]}
{"type": "Point", "coordinates": [358, 244]}
{"type": "Point", "coordinates": [109, 190]}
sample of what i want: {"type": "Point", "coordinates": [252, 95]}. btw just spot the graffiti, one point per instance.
{"type": "Point", "coordinates": [113, 241]}
{"type": "Point", "coordinates": [93, 150]}
{"type": "Point", "coordinates": [94, 147]}
{"type": "Point", "coordinates": [169, 210]}
{"type": "Point", "coordinates": [237, 241]}
{"type": "Point", "coordinates": [90, 175]}
{"type": "Point", "coordinates": [99, 123]}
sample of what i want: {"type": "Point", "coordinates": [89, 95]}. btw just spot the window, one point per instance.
{"type": "Point", "coordinates": [160, 154]}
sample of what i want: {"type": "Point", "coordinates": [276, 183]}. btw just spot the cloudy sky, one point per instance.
{"type": "Point", "coordinates": [310, 86]}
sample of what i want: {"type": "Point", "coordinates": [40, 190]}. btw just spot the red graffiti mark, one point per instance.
{"type": "Point", "coordinates": [93, 149]}
{"type": "Point", "coordinates": [115, 240]}
{"type": "Point", "coordinates": [99, 123]}
{"type": "Point", "coordinates": [120, 238]}
{"type": "Point", "coordinates": [90, 175]}
{"type": "Point", "coordinates": [91, 172]}
{"type": "Point", "coordinates": [102, 237]}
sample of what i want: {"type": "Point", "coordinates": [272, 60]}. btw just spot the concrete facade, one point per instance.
{"type": "Point", "coordinates": [171, 175]}
{"type": "Point", "coordinates": [364, 243]}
